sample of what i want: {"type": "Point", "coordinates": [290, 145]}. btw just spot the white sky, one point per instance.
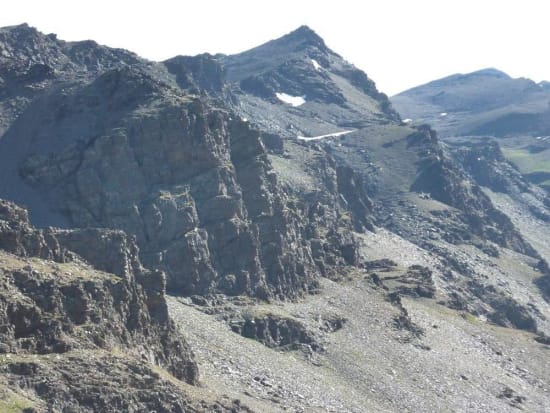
{"type": "Point", "coordinates": [399, 43]}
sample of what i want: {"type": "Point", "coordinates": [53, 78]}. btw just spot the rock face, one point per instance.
{"type": "Point", "coordinates": [96, 381]}
{"type": "Point", "coordinates": [192, 183]}
{"type": "Point", "coordinates": [56, 306]}
{"type": "Point", "coordinates": [212, 216]}
{"type": "Point", "coordinates": [484, 161]}
{"type": "Point", "coordinates": [446, 183]}
{"type": "Point", "coordinates": [274, 331]}
{"type": "Point", "coordinates": [85, 327]}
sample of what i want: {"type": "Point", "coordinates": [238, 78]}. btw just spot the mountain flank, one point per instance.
{"type": "Point", "coordinates": [262, 232]}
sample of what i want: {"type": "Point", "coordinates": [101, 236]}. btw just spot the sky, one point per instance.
{"type": "Point", "coordinates": [398, 43]}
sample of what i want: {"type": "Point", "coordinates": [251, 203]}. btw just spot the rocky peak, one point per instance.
{"type": "Point", "coordinates": [302, 38]}
{"type": "Point", "coordinates": [22, 47]}
{"type": "Point", "coordinates": [300, 65]}
{"type": "Point", "coordinates": [96, 58]}
{"type": "Point", "coordinates": [488, 74]}
{"type": "Point", "coordinates": [24, 36]}
{"type": "Point", "coordinates": [485, 102]}
{"type": "Point", "coordinates": [301, 44]}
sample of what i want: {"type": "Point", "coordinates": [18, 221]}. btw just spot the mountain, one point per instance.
{"type": "Point", "coordinates": [484, 102]}
{"type": "Point", "coordinates": [488, 103]}
{"type": "Point", "coordinates": [314, 251]}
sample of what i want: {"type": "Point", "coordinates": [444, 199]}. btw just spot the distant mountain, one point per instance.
{"type": "Point", "coordinates": [483, 102]}
{"type": "Point", "coordinates": [262, 224]}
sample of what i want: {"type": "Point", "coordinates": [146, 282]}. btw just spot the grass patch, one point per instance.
{"type": "Point", "coordinates": [62, 272]}
{"type": "Point", "coordinates": [528, 162]}
{"type": "Point", "coordinates": [11, 402]}
{"type": "Point", "coordinates": [470, 318]}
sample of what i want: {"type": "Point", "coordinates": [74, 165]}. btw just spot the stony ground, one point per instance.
{"type": "Point", "coordinates": [444, 361]}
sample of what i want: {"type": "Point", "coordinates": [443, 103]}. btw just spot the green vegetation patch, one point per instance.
{"type": "Point", "coordinates": [528, 162]}
{"type": "Point", "coordinates": [11, 402]}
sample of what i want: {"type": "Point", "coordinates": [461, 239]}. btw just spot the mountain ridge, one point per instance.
{"type": "Point", "coordinates": [292, 212]}
{"type": "Point", "coordinates": [480, 97]}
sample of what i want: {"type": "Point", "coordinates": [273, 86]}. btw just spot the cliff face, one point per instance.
{"type": "Point", "coordinates": [197, 189]}
{"type": "Point", "coordinates": [446, 182]}
{"type": "Point", "coordinates": [84, 326]}
{"type": "Point", "coordinates": [55, 302]}
{"type": "Point", "coordinates": [191, 182]}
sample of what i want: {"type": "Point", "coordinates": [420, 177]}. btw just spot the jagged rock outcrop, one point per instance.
{"type": "Point", "coordinates": [127, 147]}
{"type": "Point", "coordinates": [275, 332]}
{"type": "Point", "coordinates": [63, 304]}
{"type": "Point", "coordinates": [97, 381]}
{"type": "Point", "coordinates": [85, 327]}
{"type": "Point", "coordinates": [193, 184]}
{"type": "Point", "coordinates": [484, 161]}
{"type": "Point", "coordinates": [445, 182]}
{"type": "Point", "coordinates": [198, 74]}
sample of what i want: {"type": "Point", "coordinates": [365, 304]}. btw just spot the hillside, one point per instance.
{"type": "Point", "coordinates": [315, 252]}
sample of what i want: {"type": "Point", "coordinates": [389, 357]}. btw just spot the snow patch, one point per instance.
{"type": "Point", "coordinates": [316, 64]}
{"type": "Point", "coordinates": [407, 120]}
{"type": "Point", "coordinates": [328, 135]}
{"type": "Point", "coordinates": [442, 114]}
{"type": "Point", "coordinates": [291, 100]}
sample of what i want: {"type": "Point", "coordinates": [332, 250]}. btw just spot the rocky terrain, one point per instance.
{"type": "Point", "coordinates": [85, 327]}
{"type": "Point", "coordinates": [488, 103]}
{"type": "Point", "coordinates": [320, 253]}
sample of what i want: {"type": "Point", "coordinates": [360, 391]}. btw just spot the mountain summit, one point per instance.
{"type": "Point", "coordinates": [302, 42]}
{"type": "Point", "coordinates": [300, 69]}
{"type": "Point", "coordinates": [300, 38]}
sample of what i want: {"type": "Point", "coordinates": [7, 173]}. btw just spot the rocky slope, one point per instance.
{"type": "Point", "coordinates": [413, 185]}
{"type": "Point", "coordinates": [251, 181]}
{"type": "Point", "coordinates": [80, 318]}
